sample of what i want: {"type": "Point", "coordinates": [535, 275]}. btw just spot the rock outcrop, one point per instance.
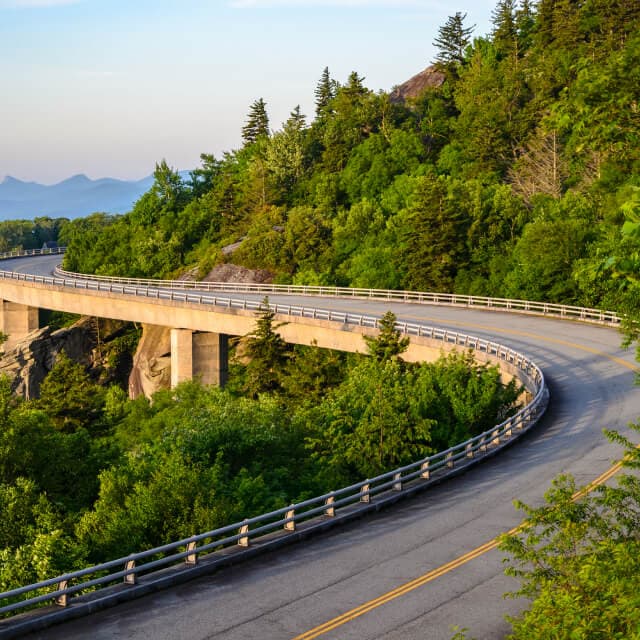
{"type": "Point", "coordinates": [152, 361]}
{"type": "Point", "coordinates": [430, 78]}
{"type": "Point", "coordinates": [151, 369]}
{"type": "Point", "coordinates": [86, 342]}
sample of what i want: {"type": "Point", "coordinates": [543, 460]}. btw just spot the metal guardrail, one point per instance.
{"type": "Point", "coordinates": [26, 253]}
{"type": "Point", "coordinates": [187, 551]}
{"type": "Point", "coordinates": [449, 299]}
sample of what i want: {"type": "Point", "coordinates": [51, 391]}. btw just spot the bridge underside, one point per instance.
{"type": "Point", "coordinates": [199, 336]}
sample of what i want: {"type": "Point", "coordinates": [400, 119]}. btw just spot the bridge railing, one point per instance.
{"type": "Point", "coordinates": [449, 299]}
{"type": "Point", "coordinates": [362, 495]}
{"type": "Point", "coordinates": [332, 506]}
{"type": "Point", "coordinates": [25, 253]}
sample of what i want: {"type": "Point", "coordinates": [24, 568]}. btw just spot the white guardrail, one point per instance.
{"type": "Point", "coordinates": [331, 507]}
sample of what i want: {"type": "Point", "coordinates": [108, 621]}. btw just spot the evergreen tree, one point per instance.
{"type": "Point", "coordinates": [325, 92]}
{"type": "Point", "coordinates": [435, 237]}
{"type": "Point", "coordinates": [69, 397]}
{"type": "Point", "coordinates": [452, 41]}
{"type": "Point", "coordinates": [388, 344]}
{"type": "Point", "coordinates": [525, 25]}
{"type": "Point", "coordinates": [257, 125]}
{"type": "Point", "coordinates": [355, 86]}
{"type": "Point", "coordinates": [285, 154]}
{"type": "Point", "coordinates": [505, 32]}
{"type": "Point", "coordinates": [267, 353]}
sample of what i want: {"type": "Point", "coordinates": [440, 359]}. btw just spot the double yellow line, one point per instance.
{"type": "Point", "coordinates": [487, 546]}
{"type": "Point", "coordinates": [440, 571]}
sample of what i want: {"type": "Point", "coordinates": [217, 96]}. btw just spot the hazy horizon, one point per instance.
{"type": "Point", "coordinates": [107, 89]}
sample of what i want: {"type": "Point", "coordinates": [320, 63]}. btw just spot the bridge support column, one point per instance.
{"type": "Point", "coordinates": [204, 356]}
{"type": "Point", "coordinates": [17, 320]}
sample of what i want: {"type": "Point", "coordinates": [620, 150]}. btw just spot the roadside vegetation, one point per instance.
{"type": "Point", "coordinates": [517, 175]}
{"type": "Point", "coordinates": [87, 475]}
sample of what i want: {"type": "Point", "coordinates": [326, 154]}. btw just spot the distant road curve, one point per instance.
{"type": "Point", "coordinates": [414, 570]}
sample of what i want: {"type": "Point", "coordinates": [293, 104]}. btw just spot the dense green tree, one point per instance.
{"type": "Point", "coordinates": [266, 353]}
{"type": "Point", "coordinates": [69, 396]}
{"type": "Point", "coordinates": [435, 230]}
{"type": "Point", "coordinates": [257, 124]}
{"type": "Point", "coordinates": [286, 153]}
{"type": "Point", "coordinates": [324, 92]}
{"type": "Point", "coordinates": [371, 423]}
{"type": "Point", "coordinates": [387, 345]}
{"type": "Point", "coordinates": [577, 557]}
{"type": "Point", "coordinates": [452, 41]}
{"type": "Point", "coordinates": [505, 30]}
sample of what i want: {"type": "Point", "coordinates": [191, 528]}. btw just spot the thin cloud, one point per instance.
{"type": "Point", "coordinates": [32, 4]}
{"type": "Point", "coordinates": [97, 74]}
{"type": "Point", "coordinates": [268, 4]}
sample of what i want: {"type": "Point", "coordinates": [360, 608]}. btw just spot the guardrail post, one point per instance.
{"type": "Point", "coordinates": [364, 493]}
{"type": "Point", "coordinates": [508, 431]}
{"type": "Point", "coordinates": [243, 541]}
{"type": "Point", "coordinates": [469, 450]}
{"type": "Point", "coordinates": [330, 510]}
{"type": "Point", "coordinates": [63, 599]}
{"type": "Point", "coordinates": [192, 559]}
{"type": "Point", "coordinates": [130, 578]}
{"type": "Point", "coordinates": [450, 460]}
{"type": "Point", "coordinates": [496, 437]}
{"type": "Point", "coordinates": [483, 444]}
{"type": "Point", "coordinates": [425, 474]}
{"type": "Point", "coordinates": [290, 525]}
{"type": "Point", "coordinates": [397, 482]}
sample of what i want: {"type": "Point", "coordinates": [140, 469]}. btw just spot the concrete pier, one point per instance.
{"type": "Point", "coordinates": [199, 355]}
{"type": "Point", "coordinates": [17, 321]}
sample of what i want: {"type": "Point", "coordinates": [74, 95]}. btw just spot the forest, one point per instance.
{"type": "Point", "coordinates": [517, 176]}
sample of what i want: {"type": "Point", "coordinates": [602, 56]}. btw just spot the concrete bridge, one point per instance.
{"type": "Point", "coordinates": [199, 331]}
{"type": "Point", "coordinates": [413, 571]}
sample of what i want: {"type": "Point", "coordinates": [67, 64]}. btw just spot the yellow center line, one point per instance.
{"type": "Point", "coordinates": [491, 544]}
{"type": "Point", "coordinates": [440, 571]}
{"type": "Point", "coordinates": [524, 334]}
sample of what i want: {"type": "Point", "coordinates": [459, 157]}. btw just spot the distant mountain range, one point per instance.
{"type": "Point", "coordinates": [72, 198]}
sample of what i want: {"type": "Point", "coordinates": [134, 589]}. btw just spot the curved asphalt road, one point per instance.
{"type": "Point", "coordinates": [287, 594]}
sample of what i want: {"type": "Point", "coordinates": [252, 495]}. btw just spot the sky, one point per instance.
{"type": "Point", "coordinates": [110, 87]}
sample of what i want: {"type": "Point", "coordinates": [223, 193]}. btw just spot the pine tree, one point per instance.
{"type": "Point", "coordinates": [388, 344]}
{"type": "Point", "coordinates": [505, 34]}
{"type": "Point", "coordinates": [325, 92]}
{"type": "Point", "coordinates": [452, 41]}
{"type": "Point", "coordinates": [257, 125]}
{"type": "Point", "coordinates": [268, 354]}
{"type": "Point", "coordinates": [525, 24]}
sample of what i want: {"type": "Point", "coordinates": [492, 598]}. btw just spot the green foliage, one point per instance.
{"type": "Point", "coordinates": [257, 125]}
{"type": "Point", "coordinates": [266, 352]}
{"type": "Point", "coordinates": [577, 557]}
{"type": "Point", "coordinates": [452, 41]}
{"type": "Point", "coordinates": [387, 345]}
{"type": "Point", "coordinates": [69, 397]}
{"type": "Point", "coordinates": [371, 423]}
{"type": "Point", "coordinates": [325, 92]}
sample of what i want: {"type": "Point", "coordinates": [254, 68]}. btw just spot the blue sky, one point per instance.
{"type": "Point", "coordinates": [109, 87]}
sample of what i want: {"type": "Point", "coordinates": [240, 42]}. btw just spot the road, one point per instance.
{"type": "Point", "coordinates": [291, 593]}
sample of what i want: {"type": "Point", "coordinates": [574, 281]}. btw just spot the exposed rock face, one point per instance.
{"type": "Point", "coordinates": [31, 359]}
{"type": "Point", "coordinates": [234, 273]}
{"type": "Point", "coordinates": [431, 77]}
{"type": "Point", "coordinates": [152, 361]}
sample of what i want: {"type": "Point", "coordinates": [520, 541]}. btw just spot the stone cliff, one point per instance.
{"type": "Point", "coordinates": [99, 345]}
